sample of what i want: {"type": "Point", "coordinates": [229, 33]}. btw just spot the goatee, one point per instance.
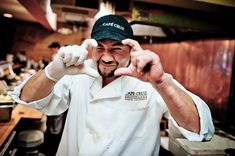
{"type": "Point", "coordinates": [110, 74]}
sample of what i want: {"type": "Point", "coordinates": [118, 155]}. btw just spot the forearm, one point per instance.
{"type": "Point", "coordinates": [179, 103]}
{"type": "Point", "coordinates": [38, 87]}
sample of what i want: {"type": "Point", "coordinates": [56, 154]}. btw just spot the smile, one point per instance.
{"type": "Point", "coordinates": [107, 64]}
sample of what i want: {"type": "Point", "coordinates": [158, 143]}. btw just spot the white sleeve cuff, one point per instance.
{"type": "Point", "coordinates": [39, 104]}
{"type": "Point", "coordinates": [206, 125]}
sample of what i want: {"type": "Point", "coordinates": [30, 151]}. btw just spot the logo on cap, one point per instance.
{"type": "Point", "coordinates": [114, 25]}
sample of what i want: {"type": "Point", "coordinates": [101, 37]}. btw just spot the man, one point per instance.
{"type": "Point", "coordinates": [117, 111]}
{"type": "Point", "coordinates": [54, 47]}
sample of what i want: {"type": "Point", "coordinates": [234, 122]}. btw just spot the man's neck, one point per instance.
{"type": "Point", "coordinates": [107, 80]}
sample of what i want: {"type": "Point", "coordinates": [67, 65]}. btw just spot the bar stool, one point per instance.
{"type": "Point", "coordinates": [29, 141]}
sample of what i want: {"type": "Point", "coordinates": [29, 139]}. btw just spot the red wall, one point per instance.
{"type": "Point", "coordinates": [204, 67]}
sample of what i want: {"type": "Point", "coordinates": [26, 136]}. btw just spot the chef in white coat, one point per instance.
{"type": "Point", "coordinates": [115, 100]}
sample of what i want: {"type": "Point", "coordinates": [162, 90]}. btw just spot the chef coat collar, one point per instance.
{"type": "Point", "coordinates": [111, 90]}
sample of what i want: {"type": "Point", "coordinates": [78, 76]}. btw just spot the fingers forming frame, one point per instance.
{"type": "Point", "coordinates": [133, 44]}
{"type": "Point", "coordinates": [89, 42]}
{"type": "Point", "coordinates": [141, 59]}
{"type": "Point", "coordinates": [144, 59]}
{"type": "Point", "coordinates": [75, 55]}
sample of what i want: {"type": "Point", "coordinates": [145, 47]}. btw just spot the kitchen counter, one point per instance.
{"type": "Point", "coordinates": [18, 112]}
{"type": "Point", "coordinates": [219, 144]}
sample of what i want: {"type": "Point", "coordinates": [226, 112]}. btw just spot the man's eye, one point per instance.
{"type": "Point", "coordinates": [116, 49]}
{"type": "Point", "coordinates": [100, 49]}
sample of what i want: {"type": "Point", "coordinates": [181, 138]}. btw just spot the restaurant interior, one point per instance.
{"type": "Point", "coordinates": [195, 40]}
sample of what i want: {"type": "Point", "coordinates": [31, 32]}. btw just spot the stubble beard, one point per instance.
{"type": "Point", "coordinates": [106, 75]}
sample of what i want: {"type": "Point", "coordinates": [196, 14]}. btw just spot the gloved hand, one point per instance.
{"type": "Point", "coordinates": [69, 61]}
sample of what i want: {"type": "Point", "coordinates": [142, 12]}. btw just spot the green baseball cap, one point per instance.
{"type": "Point", "coordinates": [111, 27]}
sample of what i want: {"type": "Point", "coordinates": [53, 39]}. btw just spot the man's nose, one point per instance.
{"type": "Point", "coordinates": [106, 57]}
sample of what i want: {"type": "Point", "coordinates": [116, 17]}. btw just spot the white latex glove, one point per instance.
{"type": "Point", "coordinates": [69, 61]}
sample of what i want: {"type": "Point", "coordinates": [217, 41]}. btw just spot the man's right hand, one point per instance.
{"type": "Point", "coordinates": [69, 61]}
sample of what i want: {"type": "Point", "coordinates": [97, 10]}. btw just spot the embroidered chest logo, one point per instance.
{"type": "Point", "coordinates": [136, 96]}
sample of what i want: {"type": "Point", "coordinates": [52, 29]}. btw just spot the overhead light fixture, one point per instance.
{"type": "Point", "coordinates": [147, 30]}
{"type": "Point", "coordinates": [7, 15]}
{"type": "Point", "coordinates": [105, 9]}
{"type": "Point", "coordinates": [65, 31]}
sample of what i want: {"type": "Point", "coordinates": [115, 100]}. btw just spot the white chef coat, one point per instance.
{"type": "Point", "coordinates": [120, 119]}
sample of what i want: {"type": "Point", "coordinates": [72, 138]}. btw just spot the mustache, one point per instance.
{"type": "Point", "coordinates": [107, 62]}
{"type": "Point", "coordinates": [113, 63]}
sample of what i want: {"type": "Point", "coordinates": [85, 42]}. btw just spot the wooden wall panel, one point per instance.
{"type": "Point", "coordinates": [34, 39]}
{"type": "Point", "coordinates": [204, 67]}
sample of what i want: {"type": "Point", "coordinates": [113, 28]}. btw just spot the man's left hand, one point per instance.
{"type": "Point", "coordinates": [145, 64]}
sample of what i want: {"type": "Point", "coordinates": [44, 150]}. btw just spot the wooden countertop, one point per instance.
{"type": "Point", "coordinates": [18, 112]}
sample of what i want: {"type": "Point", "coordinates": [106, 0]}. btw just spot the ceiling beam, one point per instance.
{"type": "Point", "coordinates": [36, 10]}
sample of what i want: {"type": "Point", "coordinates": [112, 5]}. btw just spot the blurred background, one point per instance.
{"type": "Point", "coordinates": [195, 40]}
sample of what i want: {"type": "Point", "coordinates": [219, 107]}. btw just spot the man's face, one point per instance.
{"type": "Point", "coordinates": [110, 55]}
{"type": "Point", "coordinates": [54, 49]}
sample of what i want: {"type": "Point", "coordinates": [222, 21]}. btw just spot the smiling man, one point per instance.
{"type": "Point", "coordinates": [115, 100]}
{"type": "Point", "coordinates": [109, 56]}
